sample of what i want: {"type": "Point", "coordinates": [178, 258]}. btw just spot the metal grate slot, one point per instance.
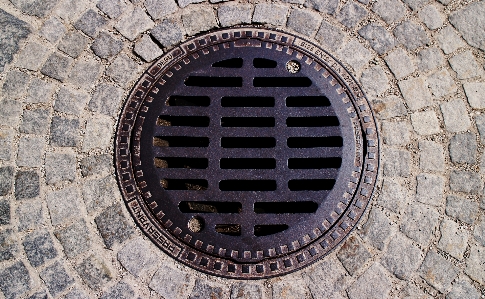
{"type": "Point", "coordinates": [309, 142]}
{"type": "Point", "coordinates": [199, 101]}
{"type": "Point", "coordinates": [307, 101]}
{"type": "Point", "coordinates": [210, 207]}
{"type": "Point", "coordinates": [184, 184]}
{"type": "Point", "coordinates": [206, 81]}
{"type": "Point", "coordinates": [269, 229]}
{"type": "Point", "coordinates": [314, 121]}
{"type": "Point", "coordinates": [247, 102]}
{"type": "Point", "coordinates": [233, 63]}
{"type": "Point", "coordinates": [264, 63]}
{"type": "Point", "coordinates": [247, 121]}
{"type": "Point", "coordinates": [314, 163]}
{"type": "Point", "coordinates": [248, 142]}
{"type": "Point", "coordinates": [229, 229]}
{"type": "Point", "coordinates": [291, 207]}
{"type": "Point", "coordinates": [180, 141]}
{"type": "Point", "coordinates": [311, 185]}
{"type": "Point", "coordinates": [282, 82]}
{"type": "Point", "coordinates": [247, 185]}
{"type": "Point", "coordinates": [248, 163]}
{"type": "Point", "coordinates": [183, 121]}
{"type": "Point", "coordinates": [181, 162]}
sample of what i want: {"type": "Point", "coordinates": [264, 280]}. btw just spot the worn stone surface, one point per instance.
{"type": "Point", "coordinates": [246, 291]}
{"type": "Point", "coordinates": [56, 278]}
{"type": "Point", "coordinates": [479, 231]}
{"type": "Point", "coordinates": [113, 226]}
{"type": "Point", "coordinates": [52, 30]}
{"type": "Point", "coordinates": [377, 230]}
{"type": "Point", "coordinates": [8, 245]}
{"type": "Point", "coordinates": [39, 91]}
{"type": "Point", "coordinates": [74, 238]}
{"type": "Point", "coordinates": [395, 133]}
{"type": "Point", "coordinates": [393, 195]}
{"type": "Point", "coordinates": [475, 93]}
{"type": "Point", "coordinates": [98, 133]}
{"type": "Point", "coordinates": [374, 283]}
{"type": "Point", "coordinates": [400, 63]}
{"type": "Point", "coordinates": [203, 290]}
{"type": "Point", "coordinates": [38, 8]}
{"type": "Point", "coordinates": [441, 83]}
{"type": "Point", "coordinates": [389, 107]}
{"type": "Point", "coordinates": [59, 167]}
{"type": "Point", "coordinates": [121, 290]}
{"type": "Point", "coordinates": [184, 3]}
{"type": "Point", "coordinates": [10, 112]}
{"type": "Point", "coordinates": [448, 40]}
{"type": "Point", "coordinates": [84, 73]}
{"type": "Point", "coordinates": [432, 157]}
{"type": "Point", "coordinates": [92, 165]}
{"type": "Point", "coordinates": [425, 123]}
{"type": "Point", "coordinates": [106, 45]}
{"type": "Point", "coordinates": [430, 189]}
{"type": "Point", "coordinates": [420, 222]}
{"type": "Point", "coordinates": [455, 116]}
{"type": "Point", "coordinates": [6, 140]}
{"type": "Point", "coordinates": [133, 22]}
{"type": "Point", "coordinates": [356, 55]}
{"type": "Point", "coordinates": [202, 19]}
{"type": "Point", "coordinates": [469, 21]}
{"type": "Point", "coordinates": [465, 65]}
{"type": "Point", "coordinates": [402, 257]}
{"type": "Point", "coordinates": [39, 295]}
{"type": "Point", "coordinates": [99, 193]}
{"type": "Point", "coordinates": [231, 14]}
{"type": "Point", "coordinates": [15, 280]}
{"type": "Point", "coordinates": [176, 285]}
{"type": "Point", "coordinates": [351, 14]}
{"type": "Point", "coordinates": [73, 44]}
{"type": "Point", "coordinates": [112, 8]}
{"type": "Point", "coordinates": [463, 148]}
{"type": "Point", "coordinates": [353, 254]}
{"type": "Point", "coordinates": [64, 131]}
{"type": "Point", "coordinates": [70, 101]}
{"type": "Point", "coordinates": [64, 205]}
{"type": "Point", "coordinates": [461, 208]}
{"type": "Point", "coordinates": [138, 258]}
{"type": "Point", "coordinates": [438, 271]}
{"type": "Point", "coordinates": [330, 36]}
{"type": "Point", "coordinates": [76, 294]}
{"type": "Point", "coordinates": [31, 151]}
{"type": "Point", "coordinates": [454, 239]}
{"type": "Point", "coordinates": [374, 80]}
{"type": "Point", "coordinates": [273, 14]}
{"type": "Point", "coordinates": [122, 69]}
{"type": "Point", "coordinates": [27, 184]}
{"type": "Point", "coordinates": [30, 215]}
{"type": "Point", "coordinates": [147, 49]}
{"type": "Point", "coordinates": [94, 272]}
{"type": "Point", "coordinates": [475, 265]}
{"type": "Point", "coordinates": [70, 10]}
{"type": "Point", "coordinates": [106, 99]}
{"type": "Point", "coordinates": [35, 122]}
{"type": "Point", "coordinates": [57, 66]}
{"type": "Point", "coordinates": [325, 6]}
{"type": "Point", "coordinates": [416, 4]}
{"type": "Point", "coordinates": [169, 33]}
{"type": "Point", "coordinates": [32, 56]}
{"type": "Point", "coordinates": [304, 22]}
{"type": "Point", "coordinates": [159, 9]}
{"type": "Point", "coordinates": [6, 180]}
{"type": "Point", "coordinates": [39, 248]}
{"type": "Point", "coordinates": [411, 35]}
{"type": "Point", "coordinates": [396, 163]}
{"type": "Point", "coordinates": [378, 37]}
{"type": "Point", "coordinates": [15, 84]}
{"type": "Point", "coordinates": [415, 92]}
{"type": "Point", "coordinates": [465, 181]}
{"type": "Point", "coordinates": [91, 23]}
{"type": "Point", "coordinates": [431, 17]}
{"type": "Point", "coordinates": [389, 10]}
{"type": "Point", "coordinates": [13, 32]}
{"type": "Point", "coordinates": [4, 212]}
{"type": "Point", "coordinates": [327, 278]}
{"type": "Point", "coordinates": [462, 288]}
{"type": "Point", "coordinates": [480, 122]}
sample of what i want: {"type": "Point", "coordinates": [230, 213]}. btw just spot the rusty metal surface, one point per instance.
{"type": "Point", "coordinates": [247, 153]}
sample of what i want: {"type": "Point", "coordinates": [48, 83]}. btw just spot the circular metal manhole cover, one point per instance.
{"type": "Point", "coordinates": [247, 153]}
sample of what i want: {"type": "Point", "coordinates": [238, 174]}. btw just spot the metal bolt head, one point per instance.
{"type": "Point", "coordinates": [293, 66]}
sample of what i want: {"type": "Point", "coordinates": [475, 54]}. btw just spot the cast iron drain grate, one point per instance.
{"type": "Point", "coordinates": [247, 153]}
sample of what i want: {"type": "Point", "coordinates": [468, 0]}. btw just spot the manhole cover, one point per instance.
{"type": "Point", "coordinates": [247, 153]}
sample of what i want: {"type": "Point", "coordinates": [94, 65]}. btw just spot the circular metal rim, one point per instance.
{"type": "Point", "coordinates": [359, 111]}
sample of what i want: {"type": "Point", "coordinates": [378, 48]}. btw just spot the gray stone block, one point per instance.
{"type": "Point", "coordinates": [402, 257]}
{"type": "Point", "coordinates": [32, 56]}
{"type": "Point", "coordinates": [396, 133]}
{"type": "Point", "coordinates": [329, 36]}
{"type": "Point", "coordinates": [64, 131]}
{"type": "Point", "coordinates": [416, 93]}
{"type": "Point", "coordinates": [325, 6]}
{"type": "Point", "coordinates": [471, 24]}
{"type": "Point", "coordinates": [57, 66]}
{"type": "Point", "coordinates": [35, 122]}
{"type": "Point", "coordinates": [393, 195]}
{"type": "Point", "coordinates": [90, 23]}
{"type": "Point", "coordinates": [38, 8]}
{"type": "Point", "coordinates": [442, 84]}
{"type": "Point", "coordinates": [56, 278]}
{"type": "Point", "coordinates": [94, 272]}
{"type": "Point", "coordinates": [425, 123]}
{"type": "Point", "coordinates": [113, 226]}
{"type": "Point", "coordinates": [431, 17]}
{"type": "Point", "coordinates": [30, 215]}
{"type": "Point", "coordinates": [6, 140]}
{"type": "Point", "coordinates": [430, 189]}
{"type": "Point", "coordinates": [13, 32]}
{"type": "Point", "coordinates": [199, 20]}
{"type": "Point", "coordinates": [8, 245]}
{"type": "Point", "coordinates": [246, 290]}
{"type": "Point", "coordinates": [475, 267]}
{"type": "Point", "coordinates": [389, 107]}
{"type": "Point", "coordinates": [10, 112]}
{"type": "Point", "coordinates": [73, 44]}
{"type": "Point", "coordinates": [479, 231]}
{"type": "Point", "coordinates": [294, 285]}
{"type": "Point", "coordinates": [70, 10]}
{"type": "Point", "coordinates": [159, 9]}
{"type": "Point", "coordinates": [465, 181]}
{"type": "Point", "coordinates": [390, 11]}
{"type": "Point", "coordinates": [378, 37]}
{"type": "Point", "coordinates": [147, 49]}
{"type": "Point", "coordinates": [138, 258]}
{"type": "Point", "coordinates": [31, 151]}
{"type": "Point", "coordinates": [100, 193]}
{"type": "Point", "coordinates": [431, 157]}
{"type": "Point", "coordinates": [355, 54]}
{"type": "Point", "coordinates": [168, 33]}
{"type": "Point", "coordinates": [327, 279]}
{"type": "Point", "coordinates": [76, 294]}
{"type": "Point", "coordinates": [39, 295]}
{"type": "Point", "coordinates": [59, 167]}
{"type": "Point", "coordinates": [70, 101]}
{"type": "Point", "coordinates": [74, 238]}
{"type": "Point", "coordinates": [4, 212]}
{"type": "Point", "coordinates": [39, 91]}
{"type": "Point", "coordinates": [416, 4]}
{"type": "Point", "coordinates": [462, 288]}
{"type": "Point", "coordinates": [6, 180]}
{"type": "Point", "coordinates": [134, 22]}
{"type": "Point", "coordinates": [106, 45]}
{"type": "Point", "coordinates": [121, 290]}
{"type": "Point", "coordinates": [374, 81]}
{"type": "Point", "coordinates": [480, 121]}
{"type": "Point", "coordinates": [351, 14]}
{"type": "Point", "coordinates": [463, 148]}
{"type": "Point", "coordinates": [374, 283]}
{"type": "Point", "coordinates": [268, 13]}
{"type": "Point", "coordinates": [123, 68]}
{"type": "Point", "coordinates": [465, 65]}
{"type": "Point", "coordinates": [15, 84]}
{"type": "Point", "coordinates": [437, 271]}
{"type": "Point", "coordinates": [176, 285]}
{"type": "Point", "coordinates": [98, 132]}
{"type": "Point", "coordinates": [453, 240]}
{"type": "Point", "coordinates": [304, 22]}
{"type": "Point", "coordinates": [64, 205]}
{"type": "Point", "coordinates": [411, 35]}
{"type": "Point", "coordinates": [106, 99]}
{"type": "Point", "coordinates": [400, 63]}
{"type": "Point", "coordinates": [52, 30]}
{"type": "Point", "coordinates": [39, 248]}
{"type": "Point", "coordinates": [419, 223]}
{"type": "Point", "coordinates": [377, 230]}
{"type": "Point", "coordinates": [185, 3]}
{"type": "Point", "coordinates": [430, 59]}
{"type": "Point", "coordinates": [234, 14]}
{"type": "Point", "coordinates": [15, 280]}
{"type": "Point", "coordinates": [462, 209]}
{"type": "Point", "coordinates": [27, 184]}
{"type": "Point", "coordinates": [112, 8]}
{"type": "Point", "coordinates": [475, 93]}
{"type": "Point", "coordinates": [353, 254]}
{"type": "Point", "coordinates": [455, 116]}
{"type": "Point", "coordinates": [448, 40]}
{"type": "Point", "coordinates": [396, 163]}
{"type": "Point", "coordinates": [85, 73]}
{"type": "Point", "coordinates": [92, 165]}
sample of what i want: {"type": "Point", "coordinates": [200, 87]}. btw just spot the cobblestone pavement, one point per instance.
{"type": "Point", "coordinates": [67, 65]}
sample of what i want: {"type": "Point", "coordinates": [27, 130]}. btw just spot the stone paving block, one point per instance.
{"type": "Point", "coordinates": [147, 49]}
{"type": "Point", "coordinates": [203, 19]}
{"type": "Point", "coordinates": [31, 151]}
{"type": "Point", "coordinates": [393, 195]}
{"type": "Point", "coordinates": [327, 278]}
{"type": "Point", "coordinates": [453, 240]}
{"type": "Point", "coordinates": [70, 101]}
{"type": "Point", "coordinates": [353, 254]}
{"type": "Point", "coordinates": [113, 226]}
{"type": "Point", "coordinates": [39, 248]}
{"type": "Point", "coordinates": [185, 3]}
{"type": "Point", "coordinates": [99, 130]}
{"type": "Point", "coordinates": [73, 44]}
{"type": "Point", "coordinates": [402, 257]}
{"type": "Point", "coordinates": [230, 14]}
{"type": "Point", "coordinates": [389, 10]}
{"type": "Point", "coordinates": [27, 184]}
{"type": "Point", "coordinates": [389, 107]}
{"type": "Point", "coordinates": [351, 14]}
{"type": "Point", "coordinates": [84, 73]}
{"type": "Point", "coordinates": [266, 13]}
{"type": "Point", "coordinates": [76, 294]}
{"type": "Point", "coordinates": [74, 238]}
{"type": "Point", "coordinates": [441, 83]}
{"type": "Point", "coordinates": [52, 30]}
{"type": "Point", "coordinates": [38, 8]}
{"type": "Point", "coordinates": [479, 231]}
{"type": "Point", "coordinates": [39, 295]}
{"type": "Point", "coordinates": [106, 45]}
{"type": "Point", "coordinates": [34, 122]}
{"type": "Point", "coordinates": [463, 148]}
{"type": "Point", "coordinates": [90, 23]}
{"type": "Point", "coordinates": [4, 212]}
{"type": "Point", "coordinates": [64, 131]}
{"type": "Point", "coordinates": [396, 163]}
{"type": "Point", "coordinates": [430, 59]}
{"type": "Point", "coordinates": [123, 68]}
{"type": "Point", "coordinates": [92, 165]}
{"type": "Point", "coordinates": [430, 189]}
{"type": "Point", "coordinates": [138, 258]}
{"type": "Point", "coordinates": [13, 32]}
{"type": "Point", "coordinates": [465, 65]}
{"type": "Point", "coordinates": [159, 9]}
{"type": "Point", "coordinates": [64, 205]}
{"type": "Point", "coordinates": [70, 10]}
{"type": "Point", "coordinates": [475, 265]}
{"type": "Point", "coordinates": [461, 208]}
{"type": "Point", "coordinates": [134, 22]}
{"type": "Point", "coordinates": [413, 292]}
{"type": "Point", "coordinates": [30, 215]}
{"type": "Point", "coordinates": [416, 93]}
{"type": "Point", "coordinates": [60, 167]}
{"type": "Point", "coordinates": [32, 56]}
{"type": "Point", "coordinates": [39, 91]}
{"type": "Point", "coordinates": [480, 121]}
{"type": "Point", "coordinates": [112, 8]}
{"type": "Point", "coordinates": [10, 112]}
{"type": "Point", "coordinates": [431, 17]}
{"type": "Point", "coordinates": [432, 157]}
{"type": "Point", "coordinates": [425, 123]}
{"type": "Point", "coordinates": [374, 283]}
{"type": "Point", "coordinates": [176, 285]}
{"type": "Point", "coordinates": [169, 33]}
{"type": "Point", "coordinates": [395, 133]}
{"type": "Point", "coordinates": [448, 40]}
{"type": "Point", "coordinates": [8, 245]}
{"type": "Point", "coordinates": [121, 290]}
{"type": "Point", "coordinates": [56, 278]}
{"type": "Point", "coordinates": [356, 55]}
{"type": "Point", "coordinates": [416, 4]}
{"type": "Point", "coordinates": [100, 193]}
{"type": "Point", "coordinates": [455, 116]}
{"type": "Point", "coordinates": [374, 81]}
{"type": "Point", "coordinates": [94, 272]}
{"type": "Point", "coordinates": [420, 222]}
{"type": "Point", "coordinates": [475, 93]}
{"type": "Point", "coordinates": [400, 63]}
{"type": "Point", "coordinates": [437, 271]}
{"type": "Point", "coordinates": [330, 36]}
{"type": "Point", "coordinates": [462, 288]}
{"type": "Point", "coordinates": [304, 22]}
{"type": "Point", "coordinates": [471, 24]}
{"type": "Point", "coordinates": [378, 37]}
{"type": "Point", "coordinates": [246, 291]}
{"type": "Point", "coordinates": [465, 181]}
{"type": "Point", "coordinates": [411, 35]}
{"type": "Point", "coordinates": [6, 180]}
{"type": "Point", "coordinates": [203, 290]}
{"type": "Point", "coordinates": [6, 139]}
{"type": "Point", "coordinates": [106, 99]}
{"type": "Point", "coordinates": [293, 287]}
{"type": "Point", "coordinates": [57, 66]}
{"type": "Point", "coordinates": [15, 84]}
{"type": "Point", "coordinates": [325, 6]}
{"type": "Point", "coordinates": [377, 230]}
{"type": "Point", "coordinates": [15, 280]}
